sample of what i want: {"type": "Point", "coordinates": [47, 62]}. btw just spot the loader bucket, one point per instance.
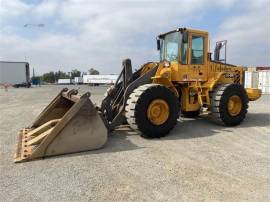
{"type": "Point", "coordinates": [69, 124]}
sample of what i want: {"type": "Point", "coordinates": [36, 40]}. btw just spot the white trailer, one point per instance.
{"type": "Point", "coordinates": [251, 79]}
{"type": "Point", "coordinates": [15, 73]}
{"type": "Point", "coordinates": [78, 80]}
{"type": "Point", "coordinates": [64, 81]}
{"type": "Point", "coordinates": [100, 79]}
{"type": "Point", "coordinates": [264, 81]}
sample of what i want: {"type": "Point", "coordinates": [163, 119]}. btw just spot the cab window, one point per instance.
{"type": "Point", "coordinates": [184, 49]}
{"type": "Point", "coordinates": [197, 50]}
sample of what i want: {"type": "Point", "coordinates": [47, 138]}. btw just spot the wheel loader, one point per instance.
{"type": "Point", "coordinates": [185, 81]}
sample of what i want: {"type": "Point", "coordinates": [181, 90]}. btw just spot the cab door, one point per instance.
{"type": "Point", "coordinates": [197, 60]}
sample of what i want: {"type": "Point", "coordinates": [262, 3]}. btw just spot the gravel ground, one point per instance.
{"type": "Point", "coordinates": [197, 161]}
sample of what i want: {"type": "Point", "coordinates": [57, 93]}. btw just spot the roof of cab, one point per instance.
{"type": "Point", "coordinates": [183, 30]}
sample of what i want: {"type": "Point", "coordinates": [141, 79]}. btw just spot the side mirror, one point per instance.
{"type": "Point", "coordinates": [185, 37]}
{"type": "Point", "coordinates": [158, 44]}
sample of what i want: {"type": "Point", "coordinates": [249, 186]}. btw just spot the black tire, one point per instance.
{"type": "Point", "coordinates": [137, 105]}
{"type": "Point", "coordinates": [191, 114]}
{"type": "Point", "coordinates": [219, 104]}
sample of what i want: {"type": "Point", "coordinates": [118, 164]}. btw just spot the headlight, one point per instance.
{"type": "Point", "coordinates": [167, 64]}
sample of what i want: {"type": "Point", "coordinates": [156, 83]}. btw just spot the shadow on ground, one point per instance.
{"type": "Point", "coordinates": [185, 129]}
{"type": "Point", "coordinates": [118, 141]}
{"type": "Point", "coordinates": [256, 120]}
{"type": "Point", "coordinates": [203, 126]}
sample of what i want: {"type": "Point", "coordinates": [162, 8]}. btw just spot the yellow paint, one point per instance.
{"type": "Point", "coordinates": [163, 77]}
{"type": "Point", "coordinates": [189, 103]}
{"type": "Point", "coordinates": [158, 112]}
{"type": "Point", "coordinates": [195, 82]}
{"type": "Point", "coordinates": [234, 105]}
{"type": "Point", "coordinates": [253, 93]}
{"type": "Point", "coordinates": [148, 66]}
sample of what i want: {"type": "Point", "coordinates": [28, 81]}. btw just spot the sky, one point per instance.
{"type": "Point", "coordinates": [99, 34]}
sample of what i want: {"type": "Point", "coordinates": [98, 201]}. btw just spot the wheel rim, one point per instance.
{"type": "Point", "coordinates": [158, 112]}
{"type": "Point", "coordinates": [234, 105]}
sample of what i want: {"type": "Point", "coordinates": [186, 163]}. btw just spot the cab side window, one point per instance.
{"type": "Point", "coordinates": [197, 50]}
{"type": "Point", "coordinates": [184, 52]}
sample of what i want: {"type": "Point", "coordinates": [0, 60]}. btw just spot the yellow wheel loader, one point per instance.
{"type": "Point", "coordinates": [186, 81]}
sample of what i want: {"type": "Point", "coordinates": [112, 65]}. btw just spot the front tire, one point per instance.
{"type": "Point", "coordinates": [152, 109]}
{"type": "Point", "coordinates": [229, 104]}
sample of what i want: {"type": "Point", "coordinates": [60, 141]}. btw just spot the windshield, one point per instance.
{"type": "Point", "coordinates": [170, 46]}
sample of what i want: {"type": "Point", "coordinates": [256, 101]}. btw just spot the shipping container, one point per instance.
{"type": "Point", "coordinates": [15, 73]}
{"type": "Point", "coordinates": [264, 81]}
{"type": "Point", "coordinates": [99, 79]}
{"type": "Point", "coordinates": [251, 79]}
{"type": "Point", "coordinates": [64, 81]}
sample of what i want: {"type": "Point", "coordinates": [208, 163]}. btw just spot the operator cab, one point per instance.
{"type": "Point", "coordinates": [183, 45]}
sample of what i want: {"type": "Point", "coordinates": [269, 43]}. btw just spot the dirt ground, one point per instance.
{"type": "Point", "coordinates": [197, 161]}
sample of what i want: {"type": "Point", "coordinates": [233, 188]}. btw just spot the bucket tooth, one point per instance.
{"type": "Point", "coordinates": [69, 124]}
{"type": "Point", "coordinates": [19, 145]}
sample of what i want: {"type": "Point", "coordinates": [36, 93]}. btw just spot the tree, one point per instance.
{"type": "Point", "coordinates": [93, 71]}
{"type": "Point", "coordinates": [52, 77]}
{"type": "Point", "coordinates": [75, 73]}
{"type": "Point", "coordinates": [60, 75]}
{"type": "Point", "coordinates": [48, 77]}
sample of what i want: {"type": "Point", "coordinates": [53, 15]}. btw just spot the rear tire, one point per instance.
{"type": "Point", "coordinates": [137, 110]}
{"type": "Point", "coordinates": [225, 113]}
